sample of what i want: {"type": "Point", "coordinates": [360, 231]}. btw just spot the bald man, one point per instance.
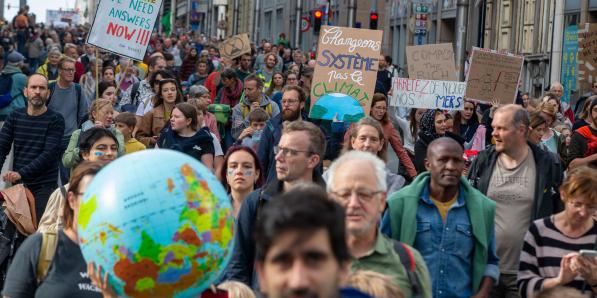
{"type": "Point", "coordinates": [523, 180]}
{"type": "Point", "coordinates": [449, 222]}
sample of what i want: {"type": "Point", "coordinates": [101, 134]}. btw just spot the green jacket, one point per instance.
{"type": "Point", "coordinates": [71, 156]}
{"type": "Point", "coordinates": [19, 80]}
{"type": "Point", "coordinates": [402, 208]}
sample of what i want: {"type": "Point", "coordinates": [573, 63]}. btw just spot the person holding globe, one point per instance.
{"type": "Point", "coordinates": [98, 145]}
{"type": "Point", "coordinates": [65, 275]}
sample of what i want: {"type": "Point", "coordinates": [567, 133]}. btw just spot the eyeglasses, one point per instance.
{"type": "Point", "coordinates": [287, 152]}
{"type": "Point", "coordinates": [289, 101]}
{"type": "Point", "coordinates": [364, 195]}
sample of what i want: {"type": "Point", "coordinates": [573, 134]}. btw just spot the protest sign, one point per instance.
{"type": "Point", "coordinates": [345, 73]}
{"type": "Point", "coordinates": [427, 94]}
{"type": "Point", "coordinates": [124, 26]}
{"type": "Point", "coordinates": [493, 75]}
{"type": "Point", "coordinates": [587, 55]}
{"type": "Point", "coordinates": [235, 46]}
{"type": "Point", "coordinates": [431, 62]}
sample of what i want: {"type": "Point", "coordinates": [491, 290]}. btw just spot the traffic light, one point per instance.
{"type": "Point", "coordinates": [373, 17]}
{"type": "Point", "coordinates": [317, 15]}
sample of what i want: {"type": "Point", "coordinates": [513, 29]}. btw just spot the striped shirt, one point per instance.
{"type": "Point", "coordinates": [542, 252]}
{"type": "Point", "coordinates": [36, 142]}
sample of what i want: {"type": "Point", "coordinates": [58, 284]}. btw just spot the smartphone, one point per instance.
{"type": "Point", "coordinates": [588, 253]}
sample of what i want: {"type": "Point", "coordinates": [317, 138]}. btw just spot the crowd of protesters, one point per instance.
{"type": "Point", "coordinates": [491, 201]}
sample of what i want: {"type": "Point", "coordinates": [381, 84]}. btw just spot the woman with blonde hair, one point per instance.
{"type": "Point", "coordinates": [368, 135]}
{"type": "Point", "coordinates": [101, 114]}
{"type": "Point", "coordinates": [552, 139]}
{"type": "Point", "coordinates": [550, 254]}
{"type": "Point", "coordinates": [236, 289]}
{"type": "Point", "coordinates": [375, 284]}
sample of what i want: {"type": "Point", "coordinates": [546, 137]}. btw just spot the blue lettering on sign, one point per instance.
{"type": "Point", "coordinates": [346, 61]}
{"type": "Point", "coordinates": [448, 101]}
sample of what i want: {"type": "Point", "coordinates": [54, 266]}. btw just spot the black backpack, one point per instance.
{"type": "Point", "coordinates": [408, 262]}
{"type": "Point", "coordinates": [5, 88]}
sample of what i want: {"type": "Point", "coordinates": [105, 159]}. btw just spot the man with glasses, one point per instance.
{"type": "Point", "coordinates": [67, 100]}
{"type": "Point", "coordinates": [357, 181]}
{"type": "Point", "coordinates": [292, 103]}
{"type": "Point", "coordinates": [298, 153]}
{"type": "Point", "coordinates": [449, 222]}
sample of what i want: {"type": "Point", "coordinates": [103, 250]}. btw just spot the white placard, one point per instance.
{"type": "Point", "coordinates": [427, 94]}
{"type": "Point", "coordinates": [124, 26]}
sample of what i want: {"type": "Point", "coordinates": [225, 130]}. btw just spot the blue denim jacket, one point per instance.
{"type": "Point", "coordinates": [448, 247]}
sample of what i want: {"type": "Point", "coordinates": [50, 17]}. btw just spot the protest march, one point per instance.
{"type": "Point", "coordinates": [144, 160]}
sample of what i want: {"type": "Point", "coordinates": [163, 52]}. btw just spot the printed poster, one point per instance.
{"type": "Point", "coordinates": [569, 67]}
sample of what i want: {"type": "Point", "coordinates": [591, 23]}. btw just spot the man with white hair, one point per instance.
{"type": "Point", "coordinates": [558, 89]}
{"type": "Point", "coordinates": [357, 181]}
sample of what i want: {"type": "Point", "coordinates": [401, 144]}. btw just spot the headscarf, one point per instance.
{"type": "Point", "coordinates": [428, 126]}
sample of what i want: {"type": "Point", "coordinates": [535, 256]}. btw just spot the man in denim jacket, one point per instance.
{"type": "Point", "coordinates": [449, 222]}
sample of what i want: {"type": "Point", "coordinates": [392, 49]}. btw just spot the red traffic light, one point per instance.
{"type": "Point", "coordinates": [374, 16]}
{"type": "Point", "coordinates": [318, 14]}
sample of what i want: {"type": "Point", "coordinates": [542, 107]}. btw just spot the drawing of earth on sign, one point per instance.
{"type": "Point", "coordinates": [233, 47]}
{"type": "Point", "coordinates": [345, 107]}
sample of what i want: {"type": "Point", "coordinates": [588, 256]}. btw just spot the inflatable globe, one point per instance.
{"type": "Point", "coordinates": [159, 223]}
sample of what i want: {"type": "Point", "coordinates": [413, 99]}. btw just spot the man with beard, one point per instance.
{"type": "Point", "coordinates": [244, 67]}
{"type": "Point", "coordinates": [449, 222]}
{"type": "Point", "coordinates": [266, 72]}
{"type": "Point", "coordinates": [36, 134]}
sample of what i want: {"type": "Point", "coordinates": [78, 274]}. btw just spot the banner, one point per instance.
{"type": "Point", "coordinates": [235, 46]}
{"type": "Point", "coordinates": [587, 56]}
{"type": "Point", "coordinates": [427, 94]}
{"type": "Point", "coordinates": [345, 73]}
{"type": "Point", "coordinates": [569, 67]}
{"type": "Point", "coordinates": [431, 62]}
{"type": "Point", "coordinates": [493, 75]}
{"type": "Point", "coordinates": [124, 26]}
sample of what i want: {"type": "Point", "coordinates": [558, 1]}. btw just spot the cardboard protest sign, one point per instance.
{"type": "Point", "coordinates": [431, 62]}
{"type": "Point", "coordinates": [124, 26]}
{"type": "Point", "coordinates": [427, 94]}
{"type": "Point", "coordinates": [345, 73]}
{"type": "Point", "coordinates": [587, 55]}
{"type": "Point", "coordinates": [235, 46]}
{"type": "Point", "coordinates": [493, 75]}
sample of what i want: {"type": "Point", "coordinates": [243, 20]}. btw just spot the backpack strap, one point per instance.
{"type": "Point", "coordinates": [49, 243]}
{"type": "Point", "coordinates": [408, 262]}
{"type": "Point", "coordinates": [135, 93]}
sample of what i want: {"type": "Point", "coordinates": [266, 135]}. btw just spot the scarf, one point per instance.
{"type": "Point", "coordinates": [232, 97]}
{"type": "Point", "coordinates": [428, 126]}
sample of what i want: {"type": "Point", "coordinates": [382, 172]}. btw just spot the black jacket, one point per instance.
{"type": "Point", "coordinates": [549, 178]}
{"type": "Point", "coordinates": [242, 263]}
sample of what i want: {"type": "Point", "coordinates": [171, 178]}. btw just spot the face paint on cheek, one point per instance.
{"type": "Point", "coordinates": [247, 172]}
{"type": "Point", "coordinates": [98, 153]}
